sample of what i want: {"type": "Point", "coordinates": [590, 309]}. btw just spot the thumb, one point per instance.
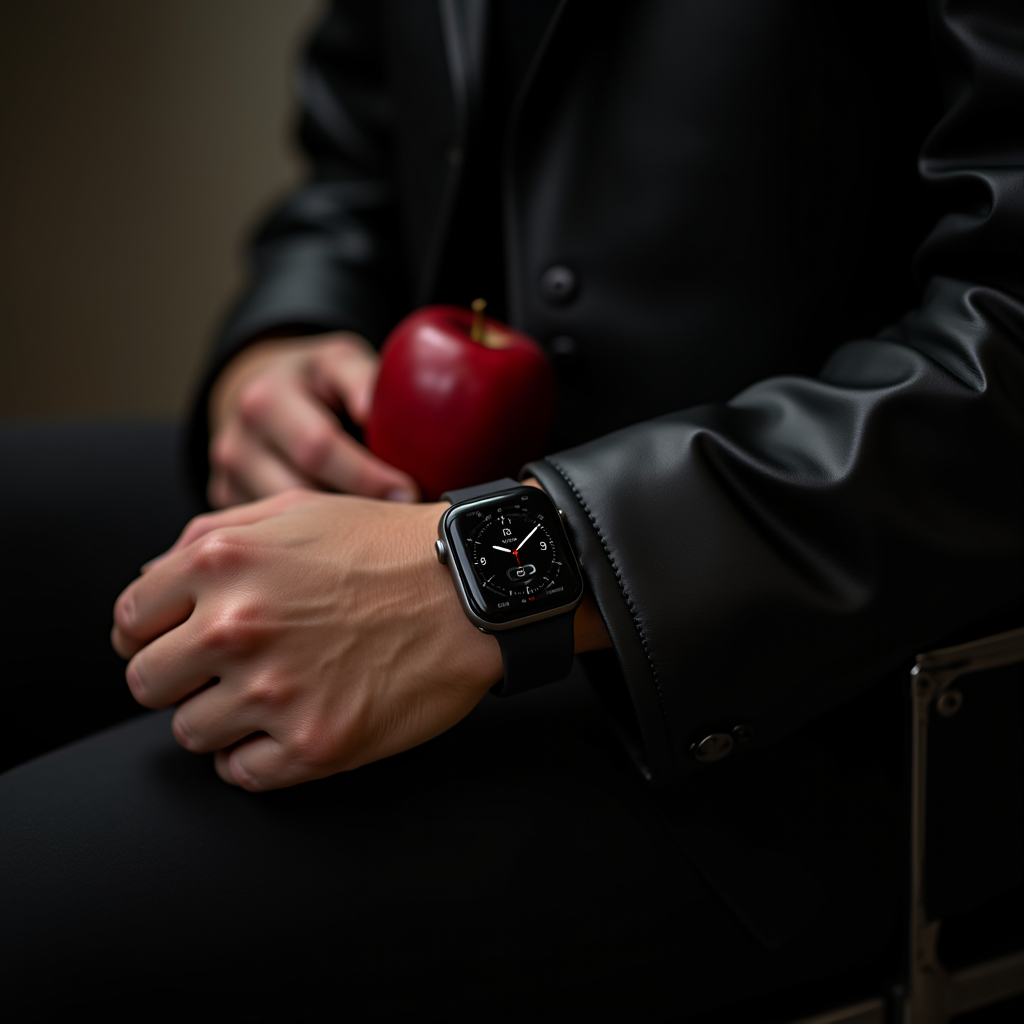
{"type": "Point", "coordinates": [346, 372]}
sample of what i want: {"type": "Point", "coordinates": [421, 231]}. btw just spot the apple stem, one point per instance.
{"type": "Point", "coordinates": [476, 330]}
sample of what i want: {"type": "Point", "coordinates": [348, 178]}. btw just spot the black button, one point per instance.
{"type": "Point", "coordinates": [563, 347]}
{"type": "Point", "coordinates": [558, 284]}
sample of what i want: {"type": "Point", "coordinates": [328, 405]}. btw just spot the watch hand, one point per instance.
{"type": "Point", "coordinates": [528, 536]}
{"type": "Point", "coordinates": [506, 550]}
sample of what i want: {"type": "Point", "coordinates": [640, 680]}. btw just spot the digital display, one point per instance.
{"type": "Point", "coordinates": [514, 554]}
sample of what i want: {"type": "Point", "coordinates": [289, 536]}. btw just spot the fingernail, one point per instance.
{"type": "Point", "coordinates": [400, 494]}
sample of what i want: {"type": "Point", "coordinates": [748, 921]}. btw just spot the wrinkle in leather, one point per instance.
{"type": "Point", "coordinates": [778, 498]}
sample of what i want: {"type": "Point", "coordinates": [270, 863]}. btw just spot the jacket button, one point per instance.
{"type": "Point", "coordinates": [562, 347]}
{"type": "Point", "coordinates": [713, 747]}
{"type": "Point", "coordinates": [558, 285]}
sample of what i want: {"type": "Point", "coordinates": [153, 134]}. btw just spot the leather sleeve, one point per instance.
{"type": "Point", "coordinates": [329, 257]}
{"type": "Point", "coordinates": [762, 561]}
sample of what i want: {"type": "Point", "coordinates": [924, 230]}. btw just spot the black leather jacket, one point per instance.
{"type": "Point", "coordinates": [789, 461]}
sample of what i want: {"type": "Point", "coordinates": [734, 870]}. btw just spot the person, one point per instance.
{"type": "Point", "coordinates": [706, 211]}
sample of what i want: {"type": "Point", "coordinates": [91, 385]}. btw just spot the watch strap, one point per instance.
{"type": "Point", "coordinates": [479, 490]}
{"type": "Point", "coordinates": [536, 654]}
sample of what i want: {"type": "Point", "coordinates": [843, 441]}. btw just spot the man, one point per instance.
{"type": "Point", "coordinates": [698, 203]}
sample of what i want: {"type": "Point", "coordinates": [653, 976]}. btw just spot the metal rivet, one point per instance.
{"type": "Point", "coordinates": [713, 747]}
{"type": "Point", "coordinates": [439, 550]}
{"type": "Point", "coordinates": [949, 703]}
{"type": "Point", "coordinates": [558, 284]}
{"type": "Point", "coordinates": [742, 733]}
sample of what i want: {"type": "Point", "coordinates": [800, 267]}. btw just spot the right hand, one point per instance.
{"type": "Point", "coordinates": [273, 424]}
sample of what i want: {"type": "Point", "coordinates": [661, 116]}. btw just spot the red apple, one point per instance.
{"type": "Point", "coordinates": [453, 411]}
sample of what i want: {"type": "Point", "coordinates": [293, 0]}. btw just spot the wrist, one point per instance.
{"type": "Point", "coordinates": [473, 655]}
{"type": "Point", "coordinates": [589, 631]}
{"type": "Point", "coordinates": [588, 627]}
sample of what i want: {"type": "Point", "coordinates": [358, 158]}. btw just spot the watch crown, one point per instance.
{"type": "Point", "coordinates": [440, 551]}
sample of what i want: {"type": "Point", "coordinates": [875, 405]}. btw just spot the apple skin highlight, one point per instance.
{"type": "Point", "coordinates": [452, 412]}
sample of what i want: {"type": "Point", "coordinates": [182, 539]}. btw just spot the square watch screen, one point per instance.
{"type": "Point", "coordinates": [514, 555]}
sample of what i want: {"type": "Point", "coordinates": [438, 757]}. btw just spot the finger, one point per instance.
{"type": "Point", "coordinates": [169, 668]}
{"type": "Point", "coordinates": [123, 644]}
{"type": "Point", "coordinates": [239, 515]}
{"type": "Point", "coordinates": [259, 764]}
{"type": "Point", "coordinates": [223, 492]}
{"type": "Point", "coordinates": [253, 470]}
{"type": "Point", "coordinates": [347, 373]}
{"type": "Point", "coordinates": [214, 719]}
{"type": "Point", "coordinates": [151, 605]}
{"type": "Point", "coordinates": [307, 433]}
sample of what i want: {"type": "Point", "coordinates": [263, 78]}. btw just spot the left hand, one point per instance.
{"type": "Point", "coordinates": [330, 633]}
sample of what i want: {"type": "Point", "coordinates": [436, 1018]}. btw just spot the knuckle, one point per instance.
{"type": "Point", "coordinates": [230, 630]}
{"type": "Point", "coordinates": [309, 746]}
{"type": "Point", "coordinates": [313, 449]}
{"type": "Point", "coordinates": [267, 692]}
{"type": "Point", "coordinates": [255, 400]}
{"type": "Point", "coordinates": [195, 527]}
{"type": "Point", "coordinates": [216, 553]}
{"type": "Point", "coordinates": [224, 452]}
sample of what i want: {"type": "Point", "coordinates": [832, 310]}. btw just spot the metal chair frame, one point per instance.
{"type": "Point", "coordinates": [933, 994]}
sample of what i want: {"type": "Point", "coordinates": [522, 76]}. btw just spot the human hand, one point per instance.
{"type": "Point", "coordinates": [331, 636]}
{"type": "Point", "coordinates": [273, 424]}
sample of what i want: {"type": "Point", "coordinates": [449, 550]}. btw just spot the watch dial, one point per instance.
{"type": "Point", "coordinates": [518, 556]}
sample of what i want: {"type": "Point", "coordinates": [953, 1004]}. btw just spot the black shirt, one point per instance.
{"type": "Point", "coordinates": [473, 265]}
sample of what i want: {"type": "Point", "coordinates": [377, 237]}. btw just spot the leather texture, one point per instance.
{"type": "Point", "coordinates": [790, 450]}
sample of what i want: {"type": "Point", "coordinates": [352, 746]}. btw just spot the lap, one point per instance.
{"type": "Point", "coordinates": [513, 868]}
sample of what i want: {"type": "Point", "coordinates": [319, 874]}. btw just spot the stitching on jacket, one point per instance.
{"type": "Point", "coordinates": [619, 580]}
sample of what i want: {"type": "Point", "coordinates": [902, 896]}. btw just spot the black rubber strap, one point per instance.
{"type": "Point", "coordinates": [465, 493]}
{"type": "Point", "coordinates": [535, 654]}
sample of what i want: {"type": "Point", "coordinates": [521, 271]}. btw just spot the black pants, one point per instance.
{"type": "Point", "coordinates": [514, 868]}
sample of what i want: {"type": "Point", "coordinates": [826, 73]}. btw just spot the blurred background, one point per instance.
{"type": "Point", "coordinates": [141, 142]}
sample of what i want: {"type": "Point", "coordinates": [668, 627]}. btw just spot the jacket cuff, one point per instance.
{"type": "Point", "coordinates": [630, 688]}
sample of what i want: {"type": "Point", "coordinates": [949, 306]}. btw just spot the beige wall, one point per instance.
{"type": "Point", "coordinates": [140, 139]}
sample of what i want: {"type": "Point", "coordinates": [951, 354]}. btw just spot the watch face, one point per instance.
{"type": "Point", "coordinates": [514, 556]}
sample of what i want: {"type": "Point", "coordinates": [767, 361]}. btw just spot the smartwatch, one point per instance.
{"type": "Point", "coordinates": [516, 575]}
